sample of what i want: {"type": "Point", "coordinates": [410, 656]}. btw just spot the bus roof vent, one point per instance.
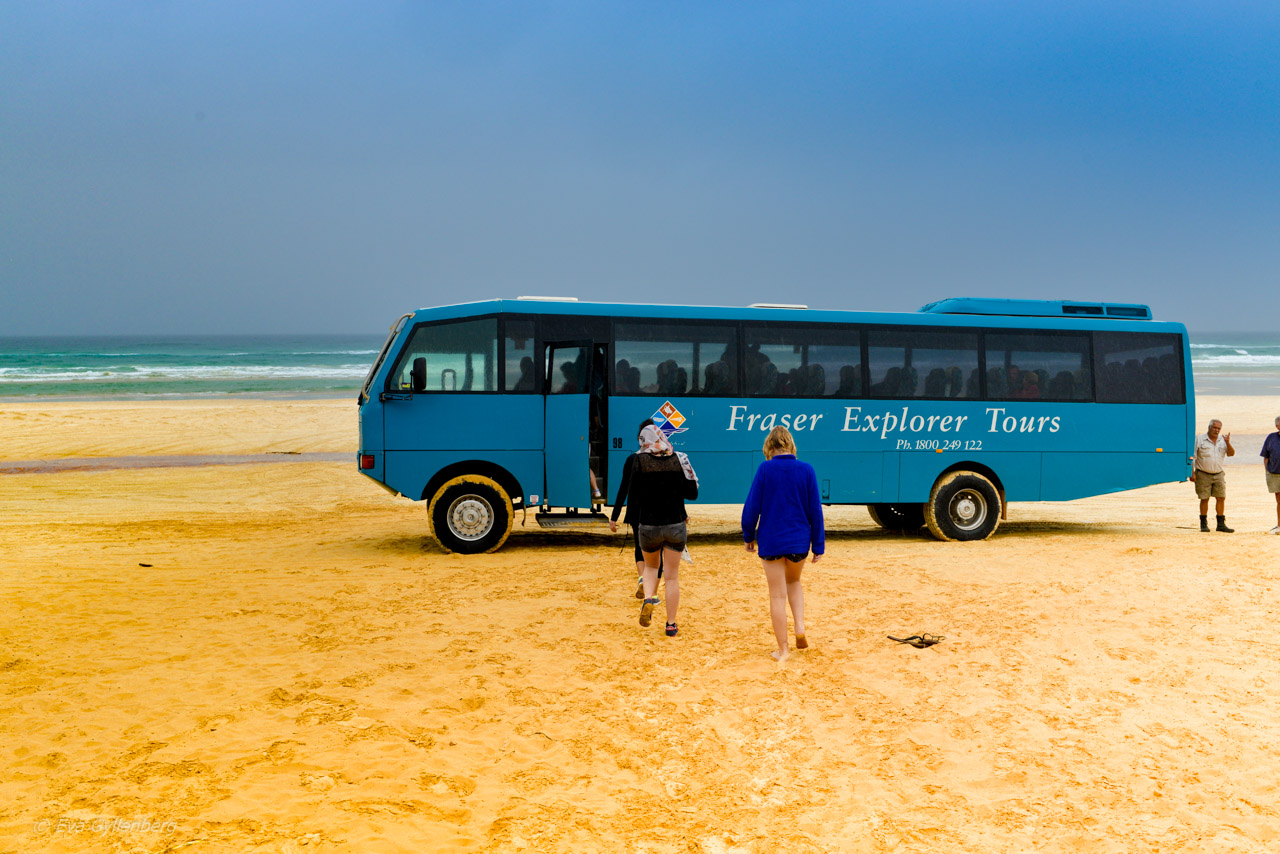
{"type": "Point", "coordinates": [550, 299]}
{"type": "Point", "coordinates": [1038, 308]}
{"type": "Point", "coordinates": [777, 305]}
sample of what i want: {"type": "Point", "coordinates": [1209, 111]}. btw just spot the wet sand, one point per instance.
{"type": "Point", "coordinates": [274, 657]}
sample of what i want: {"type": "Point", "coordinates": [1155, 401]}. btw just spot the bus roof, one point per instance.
{"type": "Point", "coordinates": [1038, 308]}
{"type": "Point", "coordinates": [954, 312]}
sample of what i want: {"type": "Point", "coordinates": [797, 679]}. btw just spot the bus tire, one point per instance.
{"type": "Point", "coordinates": [897, 517]}
{"type": "Point", "coordinates": [963, 506]}
{"type": "Point", "coordinates": [470, 515]}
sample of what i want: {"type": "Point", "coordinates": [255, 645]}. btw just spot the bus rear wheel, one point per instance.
{"type": "Point", "coordinates": [963, 505]}
{"type": "Point", "coordinates": [897, 517]}
{"type": "Point", "coordinates": [471, 514]}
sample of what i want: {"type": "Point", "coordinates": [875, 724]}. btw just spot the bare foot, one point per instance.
{"type": "Point", "coordinates": [780, 655]}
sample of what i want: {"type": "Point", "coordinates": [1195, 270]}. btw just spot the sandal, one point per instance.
{"type": "Point", "coordinates": [672, 628]}
{"type": "Point", "coordinates": [802, 642]}
{"type": "Point", "coordinates": [919, 641]}
{"type": "Point", "coordinates": [646, 611]}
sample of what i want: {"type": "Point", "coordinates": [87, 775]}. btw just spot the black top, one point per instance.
{"type": "Point", "coordinates": [654, 490]}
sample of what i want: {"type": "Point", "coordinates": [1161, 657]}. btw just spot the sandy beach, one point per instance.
{"type": "Point", "coordinates": [274, 657]}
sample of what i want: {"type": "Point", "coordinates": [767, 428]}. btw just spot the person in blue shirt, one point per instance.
{"type": "Point", "coordinates": [1271, 455]}
{"type": "Point", "coordinates": [782, 521]}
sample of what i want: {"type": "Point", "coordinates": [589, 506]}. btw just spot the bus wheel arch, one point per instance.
{"type": "Point", "coordinates": [494, 472]}
{"type": "Point", "coordinates": [471, 512]}
{"type": "Point", "coordinates": [966, 503]}
{"type": "Point", "coordinates": [897, 517]}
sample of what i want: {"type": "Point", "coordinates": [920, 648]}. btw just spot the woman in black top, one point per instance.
{"type": "Point", "coordinates": [660, 481]}
{"type": "Point", "coordinates": [633, 513]}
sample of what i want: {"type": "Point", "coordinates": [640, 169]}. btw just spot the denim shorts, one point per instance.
{"type": "Point", "coordinates": [655, 537]}
{"type": "Point", "coordinates": [793, 558]}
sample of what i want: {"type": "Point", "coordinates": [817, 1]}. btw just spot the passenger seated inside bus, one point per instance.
{"type": "Point", "coordinates": [817, 380]}
{"type": "Point", "coordinates": [972, 385]}
{"type": "Point", "coordinates": [1030, 386]}
{"type": "Point", "coordinates": [718, 379]}
{"type": "Point", "coordinates": [672, 379]}
{"type": "Point", "coordinates": [850, 381]}
{"type": "Point", "coordinates": [935, 384]}
{"type": "Point", "coordinates": [627, 377]}
{"type": "Point", "coordinates": [768, 378]}
{"type": "Point", "coordinates": [953, 386]}
{"type": "Point", "coordinates": [622, 377]}
{"type": "Point", "coordinates": [1061, 386]}
{"type": "Point", "coordinates": [1013, 381]}
{"type": "Point", "coordinates": [572, 382]}
{"type": "Point", "coordinates": [897, 382]}
{"type": "Point", "coordinates": [525, 383]}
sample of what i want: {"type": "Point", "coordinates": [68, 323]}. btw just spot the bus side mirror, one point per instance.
{"type": "Point", "coordinates": [419, 374]}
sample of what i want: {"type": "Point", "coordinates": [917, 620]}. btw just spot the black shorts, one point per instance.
{"type": "Point", "coordinates": [635, 534]}
{"type": "Point", "coordinates": [800, 558]}
{"type": "Point", "coordinates": [655, 537]}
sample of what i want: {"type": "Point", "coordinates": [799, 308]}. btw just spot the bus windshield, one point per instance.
{"type": "Point", "coordinates": [382, 355]}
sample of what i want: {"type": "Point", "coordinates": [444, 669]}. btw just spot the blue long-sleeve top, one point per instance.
{"type": "Point", "coordinates": [783, 513]}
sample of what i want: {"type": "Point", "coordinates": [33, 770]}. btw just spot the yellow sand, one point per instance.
{"type": "Point", "coordinates": [299, 669]}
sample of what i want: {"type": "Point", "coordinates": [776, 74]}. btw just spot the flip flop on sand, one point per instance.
{"type": "Point", "coordinates": [919, 641]}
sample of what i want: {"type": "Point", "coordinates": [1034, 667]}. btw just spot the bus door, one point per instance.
{"type": "Point", "coordinates": [573, 429]}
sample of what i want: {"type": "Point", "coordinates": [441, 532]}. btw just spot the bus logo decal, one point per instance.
{"type": "Point", "coordinates": [668, 419]}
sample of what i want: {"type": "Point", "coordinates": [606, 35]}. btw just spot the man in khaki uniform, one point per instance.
{"type": "Point", "coordinates": [1212, 449]}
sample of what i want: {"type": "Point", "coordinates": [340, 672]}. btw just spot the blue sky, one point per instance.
{"type": "Point", "coordinates": [245, 167]}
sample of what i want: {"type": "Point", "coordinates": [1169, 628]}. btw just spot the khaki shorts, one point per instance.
{"type": "Point", "coordinates": [1211, 485]}
{"type": "Point", "coordinates": [1273, 482]}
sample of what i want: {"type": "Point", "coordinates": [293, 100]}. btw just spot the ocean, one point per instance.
{"type": "Point", "coordinates": [113, 367]}
{"type": "Point", "coordinates": [1236, 362]}
{"type": "Point", "coordinates": [209, 366]}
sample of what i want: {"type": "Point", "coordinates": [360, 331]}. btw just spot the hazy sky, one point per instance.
{"type": "Point", "coordinates": [255, 166]}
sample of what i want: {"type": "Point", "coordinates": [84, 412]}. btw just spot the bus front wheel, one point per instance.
{"type": "Point", "coordinates": [471, 514]}
{"type": "Point", "coordinates": [897, 517]}
{"type": "Point", "coordinates": [964, 505]}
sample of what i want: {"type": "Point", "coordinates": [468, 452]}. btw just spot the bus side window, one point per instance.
{"type": "Point", "coordinates": [922, 363]}
{"type": "Point", "coordinates": [1038, 366]}
{"type": "Point", "coordinates": [1139, 367]}
{"type": "Point", "coordinates": [675, 359]}
{"type": "Point", "coordinates": [517, 343]}
{"type": "Point", "coordinates": [802, 361]}
{"type": "Point", "coordinates": [456, 356]}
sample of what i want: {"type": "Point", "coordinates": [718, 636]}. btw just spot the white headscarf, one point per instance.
{"type": "Point", "coordinates": [654, 441]}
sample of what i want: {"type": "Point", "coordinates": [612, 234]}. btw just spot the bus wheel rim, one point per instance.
{"type": "Point", "coordinates": [470, 517]}
{"type": "Point", "coordinates": [967, 509]}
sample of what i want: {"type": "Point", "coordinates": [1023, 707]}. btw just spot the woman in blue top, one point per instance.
{"type": "Point", "coordinates": [784, 510]}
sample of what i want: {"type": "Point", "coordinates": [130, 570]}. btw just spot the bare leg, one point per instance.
{"type": "Point", "coordinates": [775, 572]}
{"type": "Point", "coordinates": [671, 574]}
{"type": "Point", "coordinates": [795, 594]}
{"type": "Point", "coordinates": [1278, 509]}
{"type": "Point", "coordinates": [651, 562]}
{"type": "Point", "coordinates": [1204, 507]}
{"type": "Point", "coordinates": [1221, 504]}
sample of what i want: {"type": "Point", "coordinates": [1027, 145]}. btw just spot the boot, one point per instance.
{"type": "Point", "coordinates": [1204, 524]}
{"type": "Point", "coordinates": [1222, 526]}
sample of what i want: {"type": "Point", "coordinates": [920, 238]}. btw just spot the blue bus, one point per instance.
{"type": "Point", "coordinates": [935, 418]}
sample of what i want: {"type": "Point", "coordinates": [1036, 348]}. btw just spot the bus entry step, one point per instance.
{"type": "Point", "coordinates": [564, 520]}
